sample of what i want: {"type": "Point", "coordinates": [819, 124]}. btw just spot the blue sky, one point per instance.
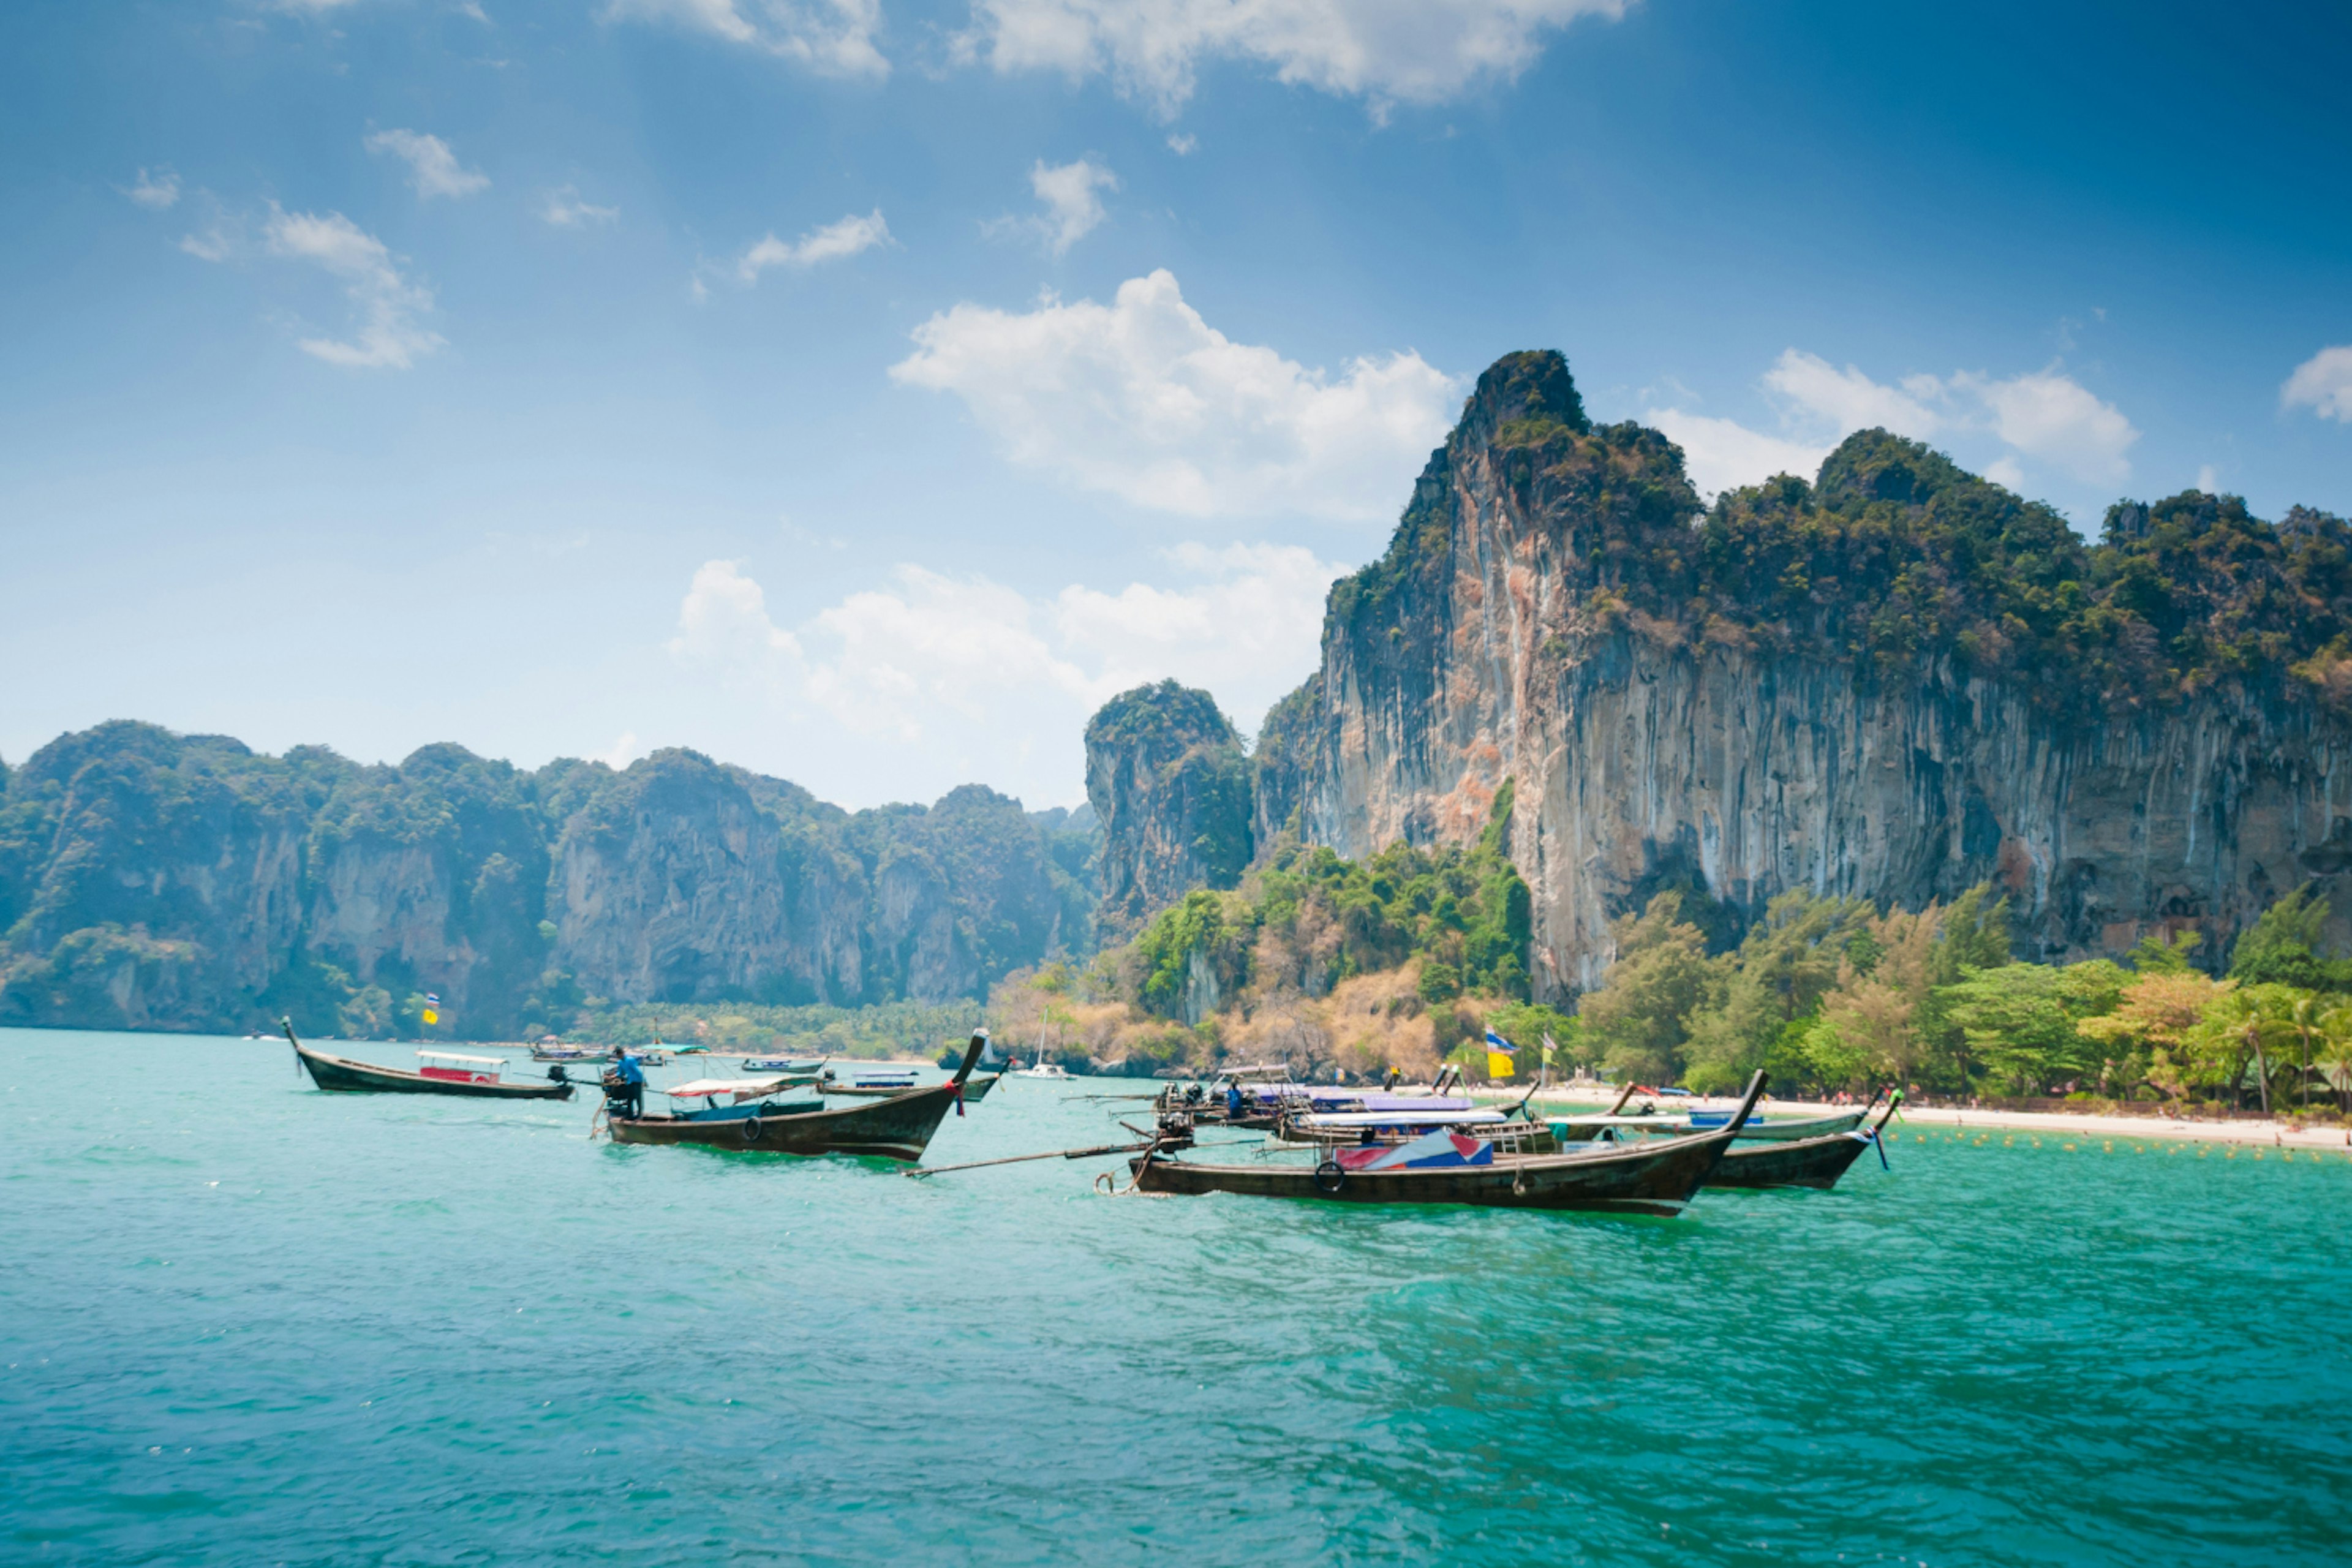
{"type": "Point", "coordinates": [862, 390]}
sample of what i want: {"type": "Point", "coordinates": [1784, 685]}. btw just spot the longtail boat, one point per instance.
{"type": "Point", "coordinates": [1815, 1163]}
{"type": "Point", "coordinates": [898, 1128]}
{"type": "Point", "coordinates": [459, 1075]}
{"type": "Point", "coordinates": [1654, 1177]}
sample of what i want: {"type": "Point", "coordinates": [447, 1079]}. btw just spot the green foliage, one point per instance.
{"type": "Point", "coordinates": [2286, 944]}
{"type": "Point", "coordinates": [149, 880]}
{"type": "Point", "coordinates": [2020, 1019]}
{"type": "Point", "coordinates": [2153, 954]}
{"type": "Point", "coordinates": [1309, 920]}
{"type": "Point", "coordinates": [1638, 1021]}
{"type": "Point", "coordinates": [1785, 964]}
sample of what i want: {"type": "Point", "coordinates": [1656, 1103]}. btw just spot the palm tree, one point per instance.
{"type": "Point", "coordinates": [2304, 1019]}
{"type": "Point", "coordinates": [2335, 1029]}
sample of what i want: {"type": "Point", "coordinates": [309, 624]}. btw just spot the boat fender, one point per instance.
{"type": "Point", "coordinates": [751, 1130]}
{"type": "Point", "coordinates": [1331, 1176]}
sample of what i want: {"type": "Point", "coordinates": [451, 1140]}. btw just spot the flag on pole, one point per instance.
{"type": "Point", "coordinates": [432, 1001]}
{"type": "Point", "coordinates": [1499, 1056]}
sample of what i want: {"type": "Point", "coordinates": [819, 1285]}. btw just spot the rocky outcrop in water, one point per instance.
{"type": "Point", "coordinates": [1166, 775]}
{"type": "Point", "coordinates": [1896, 682]}
{"type": "Point", "coordinates": [152, 880]}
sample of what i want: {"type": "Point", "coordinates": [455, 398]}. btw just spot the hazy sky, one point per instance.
{"type": "Point", "coordinates": [862, 390]}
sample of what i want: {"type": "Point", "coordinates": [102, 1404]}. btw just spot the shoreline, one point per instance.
{"type": "Point", "coordinates": [2277, 1132]}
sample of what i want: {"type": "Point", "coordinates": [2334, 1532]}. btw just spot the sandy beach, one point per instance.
{"type": "Point", "coordinates": [2277, 1132]}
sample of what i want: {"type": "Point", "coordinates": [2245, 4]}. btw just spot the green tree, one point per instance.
{"type": "Point", "coordinates": [2284, 945]}
{"type": "Point", "coordinates": [1637, 1021]}
{"type": "Point", "coordinates": [1788, 961]}
{"type": "Point", "coordinates": [2020, 1019]}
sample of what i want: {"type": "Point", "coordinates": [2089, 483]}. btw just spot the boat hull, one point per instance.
{"type": "Point", "coordinates": [899, 1128]}
{"type": "Point", "coordinates": [1815, 1163]}
{"type": "Point", "coordinates": [1658, 1179]}
{"type": "Point", "coordinates": [343, 1075]}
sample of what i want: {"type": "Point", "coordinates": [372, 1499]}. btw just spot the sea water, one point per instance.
{"type": "Point", "coordinates": [243, 1322]}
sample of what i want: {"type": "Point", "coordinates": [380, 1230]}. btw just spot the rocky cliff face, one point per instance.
{"type": "Point", "coordinates": [1166, 775]}
{"type": "Point", "coordinates": [1896, 683]}
{"type": "Point", "coordinates": [154, 880]}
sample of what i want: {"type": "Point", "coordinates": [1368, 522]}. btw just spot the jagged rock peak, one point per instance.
{"type": "Point", "coordinates": [1523, 396]}
{"type": "Point", "coordinates": [1166, 775]}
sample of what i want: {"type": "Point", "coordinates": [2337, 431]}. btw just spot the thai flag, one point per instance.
{"type": "Point", "coordinates": [434, 1000]}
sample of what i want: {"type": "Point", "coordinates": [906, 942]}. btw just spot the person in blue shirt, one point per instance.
{"type": "Point", "coordinates": [627, 1082]}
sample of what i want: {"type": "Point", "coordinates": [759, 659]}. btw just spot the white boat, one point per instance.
{"type": "Point", "coordinates": [1043, 1070]}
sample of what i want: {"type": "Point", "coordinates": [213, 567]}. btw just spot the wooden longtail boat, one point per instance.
{"type": "Point", "coordinates": [898, 1128]}
{"type": "Point", "coordinates": [1656, 1177]}
{"type": "Point", "coordinates": [1815, 1163]}
{"type": "Point", "coordinates": [341, 1073]}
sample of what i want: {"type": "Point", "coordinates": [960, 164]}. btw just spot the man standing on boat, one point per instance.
{"type": "Point", "coordinates": [628, 1078]}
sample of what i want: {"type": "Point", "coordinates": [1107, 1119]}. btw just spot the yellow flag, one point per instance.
{"type": "Point", "coordinates": [1500, 1066]}
{"type": "Point", "coordinates": [431, 1016]}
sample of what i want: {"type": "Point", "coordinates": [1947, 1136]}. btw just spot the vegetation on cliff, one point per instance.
{"type": "Point", "coordinates": [1398, 960]}
{"type": "Point", "coordinates": [1892, 557]}
{"type": "Point", "coordinates": [1168, 779]}
{"type": "Point", "coordinates": [149, 880]}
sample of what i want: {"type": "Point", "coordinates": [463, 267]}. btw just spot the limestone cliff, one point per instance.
{"type": "Point", "coordinates": [1166, 775]}
{"type": "Point", "coordinates": [149, 880]}
{"type": "Point", "coordinates": [1896, 682]}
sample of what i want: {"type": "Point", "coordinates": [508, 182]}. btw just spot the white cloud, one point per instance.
{"type": "Point", "coordinates": [2209, 480]}
{"type": "Point", "coordinates": [1722, 454]}
{"type": "Point", "coordinates": [834, 37]}
{"type": "Point", "coordinates": [433, 168]}
{"type": "Point", "coordinates": [624, 750]}
{"type": "Point", "coordinates": [2322, 384]}
{"type": "Point", "coordinates": [565, 209]}
{"type": "Point", "coordinates": [1073, 210]}
{"type": "Point", "coordinates": [978, 668]}
{"type": "Point", "coordinates": [833, 242]}
{"type": "Point", "coordinates": [1849, 400]}
{"type": "Point", "coordinates": [2054, 417]}
{"type": "Point", "coordinates": [2042, 414]}
{"type": "Point", "coordinates": [724, 620]}
{"type": "Point", "coordinates": [388, 304]}
{"type": "Point", "coordinates": [1184, 144]}
{"type": "Point", "coordinates": [1412, 51]}
{"type": "Point", "coordinates": [1145, 400]}
{"type": "Point", "coordinates": [156, 191]}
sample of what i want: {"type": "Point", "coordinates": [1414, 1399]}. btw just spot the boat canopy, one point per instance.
{"type": "Point", "coordinates": [742, 1088]}
{"type": "Point", "coordinates": [1353, 1118]}
{"type": "Point", "coordinates": [454, 1056]}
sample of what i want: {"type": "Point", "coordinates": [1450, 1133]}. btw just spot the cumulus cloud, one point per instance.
{"type": "Point", "coordinates": [157, 191]}
{"type": "Point", "coordinates": [1073, 209]}
{"type": "Point", "coordinates": [835, 242]}
{"type": "Point", "coordinates": [433, 168]}
{"type": "Point", "coordinates": [565, 209]}
{"type": "Point", "coordinates": [1145, 400]}
{"type": "Point", "coordinates": [833, 36]}
{"type": "Point", "coordinates": [388, 305]}
{"type": "Point", "coordinates": [2051, 417]}
{"type": "Point", "coordinates": [1411, 51]}
{"type": "Point", "coordinates": [1723, 454]}
{"type": "Point", "coordinates": [2042, 415]}
{"type": "Point", "coordinates": [929, 658]}
{"type": "Point", "coordinates": [2322, 384]}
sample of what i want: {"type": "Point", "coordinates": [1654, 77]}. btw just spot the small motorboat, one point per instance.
{"type": "Point", "coordinates": [1050, 1070]}
{"type": "Point", "coordinates": [898, 1126]}
{"type": "Point", "coordinates": [564, 1054]}
{"type": "Point", "coordinates": [437, 1072]}
{"type": "Point", "coordinates": [785, 1065]}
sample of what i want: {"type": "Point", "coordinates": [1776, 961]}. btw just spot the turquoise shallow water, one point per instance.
{"type": "Point", "coordinates": [245, 1322]}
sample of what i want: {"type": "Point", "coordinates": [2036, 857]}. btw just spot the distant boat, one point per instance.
{"type": "Point", "coordinates": [1054, 1071]}
{"type": "Point", "coordinates": [899, 1127]}
{"type": "Point", "coordinates": [783, 1065]}
{"type": "Point", "coordinates": [441, 1073]}
{"type": "Point", "coordinates": [564, 1054]}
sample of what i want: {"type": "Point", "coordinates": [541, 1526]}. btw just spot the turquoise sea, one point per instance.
{"type": "Point", "coordinates": [243, 1322]}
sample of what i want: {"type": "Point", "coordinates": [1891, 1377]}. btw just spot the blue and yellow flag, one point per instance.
{"type": "Point", "coordinates": [1500, 1062]}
